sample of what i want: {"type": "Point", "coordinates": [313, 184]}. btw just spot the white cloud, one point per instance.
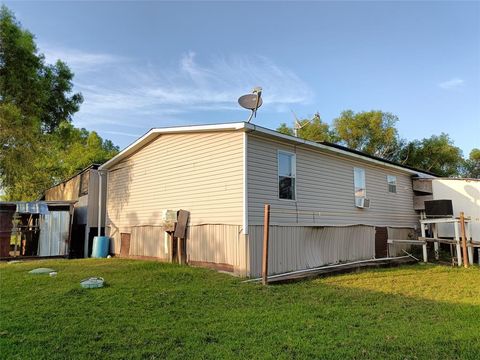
{"type": "Point", "coordinates": [452, 84]}
{"type": "Point", "coordinates": [191, 86]}
{"type": "Point", "coordinates": [130, 94]}
{"type": "Point", "coordinates": [77, 60]}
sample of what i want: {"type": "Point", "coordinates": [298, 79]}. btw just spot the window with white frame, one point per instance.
{"type": "Point", "coordinates": [392, 183]}
{"type": "Point", "coordinates": [359, 183]}
{"type": "Point", "coordinates": [286, 175]}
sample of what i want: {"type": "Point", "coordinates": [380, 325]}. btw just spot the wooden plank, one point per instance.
{"type": "Point", "coordinates": [381, 238]}
{"type": "Point", "coordinates": [422, 185]}
{"type": "Point", "coordinates": [419, 201]}
{"type": "Point", "coordinates": [411, 241]}
{"type": "Point", "coordinates": [125, 244]}
{"type": "Point", "coordinates": [266, 229]}
{"type": "Point", "coordinates": [182, 221]}
{"type": "Point", "coordinates": [464, 239]}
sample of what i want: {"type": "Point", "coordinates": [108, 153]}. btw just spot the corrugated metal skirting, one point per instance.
{"type": "Point", "coordinates": [54, 228]}
{"type": "Point", "coordinates": [148, 241]}
{"type": "Point", "coordinates": [303, 247]}
{"type": "Point", "coordinates": [214, 243]}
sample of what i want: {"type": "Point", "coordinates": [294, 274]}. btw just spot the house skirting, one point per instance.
{"type": "Point", "coordinates": [225, 247]}
{"type": "Point", "coordinates": [303, 247]}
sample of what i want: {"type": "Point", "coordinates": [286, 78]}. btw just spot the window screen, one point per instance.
{"type": "Point", "coordinates": [392, 183]}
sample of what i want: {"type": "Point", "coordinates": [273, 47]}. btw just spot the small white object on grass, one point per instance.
{"type": "Point", "coordinates": [109, 256]}
{"type": "Point", "coordinates": [53, 274]}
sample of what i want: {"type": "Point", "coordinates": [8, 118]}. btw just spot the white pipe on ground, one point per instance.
{"type": "Point", "coordinates": [327, 267]}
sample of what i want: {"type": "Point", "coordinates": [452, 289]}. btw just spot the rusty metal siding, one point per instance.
{"type": "Point", "coordinates": [325, 194]}
{"type": "Point", "coordinates": [54, 229]}
{"type": "Point", "coordinates": [303, 247]}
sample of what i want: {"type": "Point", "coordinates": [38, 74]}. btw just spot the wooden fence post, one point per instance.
{"type": "Point", "coordinates": [266, 228]}
{"type": "Point", "coordinates": [464, 239]}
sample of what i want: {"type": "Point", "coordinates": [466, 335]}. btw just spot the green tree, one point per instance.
{"type": "Point", "coordinates": [472, 165]}
{"type": "Point", "coordinates": [372, 132]}
{"type": "Point", "coordinates": [310, 129]}
{"type": "Point", "coordinates": [436, 154]}
{"type": "Point", "coordinates": [39, 145]}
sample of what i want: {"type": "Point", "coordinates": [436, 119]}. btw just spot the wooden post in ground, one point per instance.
{"type": "Point", "coordinates": [464, 239]}
{"type": "Point", "coordinates": [266, 228]}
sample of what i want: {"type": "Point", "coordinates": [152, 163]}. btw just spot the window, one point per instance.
{"type": "Point", "coordinates": [84, 179]}
{"type": "Point", "coordinates": [392, 183]}
{"type": "Point", "coordinates": [286, 175]}
{"type": "Point", "coordinates": [359, 182]}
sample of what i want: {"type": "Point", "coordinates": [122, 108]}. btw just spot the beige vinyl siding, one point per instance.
{"type": "Point", "coordinates": [325, 189]}
{"type": "Point", "coordinates": [198, 172]}
{"type": "Point", "coordinates": [303, 247]}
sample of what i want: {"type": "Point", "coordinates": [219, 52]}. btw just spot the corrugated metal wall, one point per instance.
{"type": "Point", "coordinates": [53, 240]}
{"type": "Point", "coordinates": [303, 247]}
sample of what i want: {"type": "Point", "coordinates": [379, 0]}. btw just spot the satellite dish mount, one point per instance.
{"type": "Point", "coordinates": [252, 102]}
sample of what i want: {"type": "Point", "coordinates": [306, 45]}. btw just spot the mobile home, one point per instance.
{"type": "Point", "coordinates": [329, 204]}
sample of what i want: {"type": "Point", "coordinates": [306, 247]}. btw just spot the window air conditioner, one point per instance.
{"type": "Point", "coordinates": [362, 202]}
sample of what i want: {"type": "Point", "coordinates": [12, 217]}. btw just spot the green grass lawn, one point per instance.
{"type": "Point", "coordinates": [151, 310]}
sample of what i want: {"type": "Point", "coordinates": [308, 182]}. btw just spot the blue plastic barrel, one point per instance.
{"type": "Point", "coordinates": [101, 245]}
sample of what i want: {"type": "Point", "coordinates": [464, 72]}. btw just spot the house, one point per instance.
{"type": "Point", "coordinates": [329, 204]}
{"type": "Point", "coordinates": [83, 188]}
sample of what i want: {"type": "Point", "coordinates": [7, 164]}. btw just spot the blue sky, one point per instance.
{"type": "Point", "coordinates": [152, 64]}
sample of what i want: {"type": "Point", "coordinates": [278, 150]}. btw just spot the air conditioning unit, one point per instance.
{"type": "Point", "coordinates": [362, 202]}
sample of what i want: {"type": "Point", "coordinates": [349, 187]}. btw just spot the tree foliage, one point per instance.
{"type": "Point", "coordinates": [40, 146]}
{"type": "Point", "coordinates": [375, 133]}
{"type": "Point", "coordinates": [436, 154]}
{"type": "Point", "coordinates": [472, 165]}
{"type": "Point", "coordinates": [372, 132]}
{"type": "Point", "coordinates": [311, 129]}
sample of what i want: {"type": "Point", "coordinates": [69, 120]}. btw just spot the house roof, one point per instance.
{"type": "Point", "coordinates": [91, 166]}
{"type": "Point", "coordinates": [248, 127]}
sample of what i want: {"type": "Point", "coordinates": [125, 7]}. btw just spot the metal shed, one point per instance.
{"type": "Point", "coordinates": [38, 228]}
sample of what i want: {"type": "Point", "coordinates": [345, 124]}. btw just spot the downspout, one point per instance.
{"type": "Point", "coordinates": [245, 184]}
{"type": "Point", "coordinates": [99, 224]}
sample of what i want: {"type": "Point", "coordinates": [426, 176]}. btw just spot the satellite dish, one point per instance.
{"type": "Point", "coordinates": [252, 101]}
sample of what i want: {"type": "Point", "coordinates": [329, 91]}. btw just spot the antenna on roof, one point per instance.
{"type": "Point", "coordinates": [297, 125]}
{"type": "Point", "coordinates": [252, 101]}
